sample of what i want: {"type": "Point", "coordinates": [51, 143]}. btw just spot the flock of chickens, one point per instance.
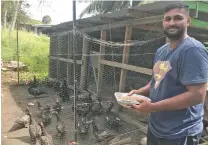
{"type": "Point", "coordinates": [87, 110]}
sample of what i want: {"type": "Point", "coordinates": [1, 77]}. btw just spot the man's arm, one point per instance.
{"type": "Point", "coordinates": [194, 95]}
{"type": "Point", "coordinates": [145, 91]}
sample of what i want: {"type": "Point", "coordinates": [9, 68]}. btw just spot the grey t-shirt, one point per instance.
{"type": "Point", "coordinates": [173, 69]}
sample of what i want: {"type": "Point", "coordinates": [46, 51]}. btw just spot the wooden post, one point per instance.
{"type": "Point", "coordinates": [125, 59]}
{"type": "Point", "coordinates": [101, 66]}
{"type": "Point", "coordinates": [70, 64]}
{"type": "Point", "coordinates": [57, 61]}
{"type": "Point", "coordinates": [18, 78]}
{"type": "Point", "coordinates": [83, 79]}
{"type": "Point", "coordinates": [49, 58]}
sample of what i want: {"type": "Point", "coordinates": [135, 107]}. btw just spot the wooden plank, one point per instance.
{"type": "Point", "coordinates": [101, 66]}
{"type": "Point", "coordinates": [83, 79]}
{"type": "Point", "coordinates": [146, 71]}
{"type": "Point", "coordinates": [65, 59]}
{"type": "Point", "coordinates": [125, 59]}
{"type": "Point", "coordinates": [122, 141]}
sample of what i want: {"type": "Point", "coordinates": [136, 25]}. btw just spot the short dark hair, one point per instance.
{"type": "Point", "coordinates": [179, 5]}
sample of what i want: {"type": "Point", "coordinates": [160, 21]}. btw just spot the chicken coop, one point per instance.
{"type": "Point", "coordinates": [115, 51]}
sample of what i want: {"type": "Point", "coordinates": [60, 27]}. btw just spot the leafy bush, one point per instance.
{"type": "Point", "coordinates": [33, 50]}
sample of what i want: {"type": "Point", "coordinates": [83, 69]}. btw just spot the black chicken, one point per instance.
{"type": "Point", "coordinates": [57, 85]}
{"type": "Point", "coordinates": [21, 122]}
{"type": "Point", "coordinates": [45, 138]}
{"type": "Point", "coordinates": [83, 125]}
{"type": "Point", "coordinates": [60, 127]}
{"type": "Point", "coordinates": [33, 84]}
{"type": "Point", "coordinates": [36, 92]}
{"type": "Point", "coordinates": [108, 107]}
{"type": "Point", "coordinates": [34, 129]}
{"type": "Point", "coordinates": [85, 97]}
{"type": "Point", "coordinates": [57, 107]}
{"type": "Point", "coordinates": [42, 109]}
{"type": "Point", "coordinates": [47, 83]}
{"type": "Point", "coordinates": [64, 92]}
{"type": "Point", "coordinates": [82, 109]}
{"type": "Point", "coordinates": [101, 135]}
{"type": "Point", "coordinates": [46, 115]}
{"type": "Point", "coordinates": [96, 108]}
{"type": "Point", "coordinates": [46, 118]}
{"type": "Point", "coordinates": [111, 120]}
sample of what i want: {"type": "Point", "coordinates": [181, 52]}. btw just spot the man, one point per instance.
{"type": "Point", "coordinates": [178, 86]}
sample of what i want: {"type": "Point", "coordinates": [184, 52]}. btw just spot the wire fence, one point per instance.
{"type": "Point", "coordinates": [98, 70]}
{"type": "Point", "coordinates": [103, 67]}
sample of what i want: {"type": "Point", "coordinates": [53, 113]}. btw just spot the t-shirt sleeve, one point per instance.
{"type": "Point", "coordinates": [194, 67]}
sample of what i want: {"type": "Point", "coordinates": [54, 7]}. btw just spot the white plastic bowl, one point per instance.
{"type": "Point", "coordinates": [118, 95]}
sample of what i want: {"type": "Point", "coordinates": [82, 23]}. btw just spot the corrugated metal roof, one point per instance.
{"type": "Point", "coordinates": [156, 8]}
{"type": "Point", "coordinates": [153, 8]}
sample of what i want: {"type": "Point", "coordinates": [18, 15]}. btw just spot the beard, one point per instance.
{"type": "Point", "coordinates": [175, 36]}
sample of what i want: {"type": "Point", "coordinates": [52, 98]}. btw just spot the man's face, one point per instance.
{"type": "Point", "coordinates": [175, 22]}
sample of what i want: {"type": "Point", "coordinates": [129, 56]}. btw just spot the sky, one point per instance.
{"type": "Point", "coordinates": [59, 10]}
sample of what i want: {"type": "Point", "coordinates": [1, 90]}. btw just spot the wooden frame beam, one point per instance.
{"type": "Point", "coordinates": [83, 79]}
{"type": "Point", "coordinates": [125, 59]}
{"type": "Point", "coordinates": [143, 70]}
{"type": "Point", "coordinates": [65, 59]}
{"type": "Point", "coordinates": [101, 66]}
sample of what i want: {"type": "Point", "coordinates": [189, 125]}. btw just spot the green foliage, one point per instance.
{"type": "Point", "coordinates": [101, 7]}
{"type": "Point", "coordinates": [33, 21]}
{"type": "Point", "coordinates": [33, 50]}
{"type": "Point", "coordinates": [23, 15]}
{"type": "Point", "coordinates": [46, 19]}
{"type": "Point", "coordinates": [206, 45]}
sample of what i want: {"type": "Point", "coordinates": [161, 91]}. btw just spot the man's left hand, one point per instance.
{"type": "Point", "coordinates": [144, 106]}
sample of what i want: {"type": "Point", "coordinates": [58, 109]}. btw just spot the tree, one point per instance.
{"type": "Point", "coordinates": [24, 13]}
{"type": "Point", "coordinates": [46, 19]}
{"type": "Point", "coordinates": [14, 17]}
{"type": "Point", "coordinates": [101, 7]}
{"type": "Point", "coordinates": [13, 11]}
{"type": "Point", "coordinates": [6, 8]}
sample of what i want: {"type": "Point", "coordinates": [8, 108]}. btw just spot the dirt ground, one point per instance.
{"type": "Point", "coordinates": [11, 111]}
{"type": "Point", "coordinates": [14, 100]}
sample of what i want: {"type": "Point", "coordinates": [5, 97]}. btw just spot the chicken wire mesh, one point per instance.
{"type": "Point", "coordinates": [100, 69]}
{"type": "Point", "coordinates": [98, 75]}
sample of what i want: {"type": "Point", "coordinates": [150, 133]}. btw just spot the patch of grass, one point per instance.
{"type": "Point", "coordinates": [33, 21]}
{"type": "Point", "coordinates": [33, 50]}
